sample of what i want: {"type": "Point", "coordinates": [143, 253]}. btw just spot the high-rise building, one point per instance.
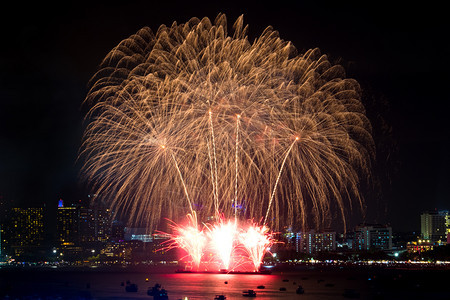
{"type": "Point", "coordinates": [117, 231]}
{"type": "Point", "coordinates": [78, 225]}
{"type": "Point", "coordinates": [26, 229]}
{"type": "Point", "coordinates": [369, 237]}
{"type": "Point", "coordinates": [86, 225]}
{"type": "Point", "coordinates": [95, 224]}
{"type": "Point", "coordinates": [67, 224]}
{"type": "Point", "coordinates": [447, 227]}
{"type": "Point", "coordinates": [103, 224]}
{"type": "Point", "coordinates": [435, 226]}
{"type": "Point", "coordinates": [313, 242]}
{"type": "Point", "coordinates": [1, 248]}
{"type": "Point", "coordinates": [4, 213]}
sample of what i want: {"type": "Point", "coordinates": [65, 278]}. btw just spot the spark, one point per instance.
{"type": "Point", "coordinates": [222, 237]}
{"type": "Point", "coordinates": [189, 238]}
{"type": "Point", "coordinates": [213, 245]}
{"type": "Point", "coordinates": [184, 185]}
{"type": "Point", "coordinates": [214, 179]}
{"type": "Point", "coordinates": [236, 168]}
{"type": "Point", "coordinates": [256, 240]}
{"type": "Point", "coordinates": [190, 109]}
{"type": "Point", "coordinates": [278, 178]}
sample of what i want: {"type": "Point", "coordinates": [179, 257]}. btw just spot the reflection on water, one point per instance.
{"type": "Point", "coordinates": [317, 284]}
{"type": "Point", "coordinates": [111, 285]}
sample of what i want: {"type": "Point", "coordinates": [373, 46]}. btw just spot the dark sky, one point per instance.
{"type": "Point", "coordinates": [399, 54]}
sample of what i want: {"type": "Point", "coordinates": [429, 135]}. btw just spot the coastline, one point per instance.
{"type": "Point", "coordinates": [275, 268]}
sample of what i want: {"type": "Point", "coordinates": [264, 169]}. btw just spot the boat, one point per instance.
{"type": "Point", "coordinates": [152, 291]}
{"type": "Point", "coordinates": [249, 293]}
{"type": "Point", "coordinates": [131, 287]}
{"type": "Point", "coordinates": [220, 297]}
{"type": "Point", "coordinates": [161, 295]}
{"type": "Point", "coordinates": [300, 290]}
{"type": "Point", "coordinates": [260, 287]}
{"type": "Point", "coordinates": [282, 289]}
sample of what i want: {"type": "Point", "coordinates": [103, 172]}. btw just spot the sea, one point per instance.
{"type": "Point", "coordinates": [282, 283]}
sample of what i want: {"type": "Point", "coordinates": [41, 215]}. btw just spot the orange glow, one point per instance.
{"type": "Point", "coordinates": [154, 149]}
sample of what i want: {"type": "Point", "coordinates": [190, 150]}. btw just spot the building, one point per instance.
{"type": "Point", "coordinates": [137, 234]}
{"type": "Point", "coordinates": [26, 230]}
{"type": "Point", "coordinates": [95, 224]}
{"type": "Point", "coordinates": [67, 224]}
{"type": "Point", "coordinates": [86, 223]}
{"type": "Point", "coordinates": [373, 237]}
{"type": "Point", "coordinates": [313, 242]}
{"type": "Point", "coordinates": [435, 226]}
{"type": "Point", "coordinates": [1, 246]}
{"type": "Point", "coordinates": [344, 241]}
{"type": "Point", "coordinates": [103, 224]}
{"type": "Point", "coordinates": [419, 246]}
{"type": "Point", "coordinates": [117, 231]}
{"type": "Point", "coordinates": [81, 230]}
{"type": "Point", "coordinates": [67, 230]}
{"type": "Point", "coordinates": [77, 224]}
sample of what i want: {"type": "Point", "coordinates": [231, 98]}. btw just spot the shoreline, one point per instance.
{"type": "Point", "coordinates": [279, 267]}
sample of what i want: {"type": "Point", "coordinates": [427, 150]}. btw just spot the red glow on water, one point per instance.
{"type": "Point", "coordinates": [226, 244]}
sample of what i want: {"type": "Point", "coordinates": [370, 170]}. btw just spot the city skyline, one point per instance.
{"type": "Point", "coordinates": [79, 226]}
{"type": "Point", "coordinates": [85, 232]}
{"type": "Point", "coordinates": [397, 59]}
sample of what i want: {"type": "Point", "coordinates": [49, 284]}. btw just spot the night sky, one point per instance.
{"type": "Point", "coordinates": [399, 54]}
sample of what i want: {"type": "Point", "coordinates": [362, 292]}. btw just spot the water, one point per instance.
{"type": "Point", "coordinates": [318, 284]}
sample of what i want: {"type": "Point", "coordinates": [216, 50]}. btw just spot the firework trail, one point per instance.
{"type": "Point", "coordinates": [190, 238]}
{"type": "Point", "coordinates": [255, 240]}
{"type": "Point", "coordinates": [222, 237]}
{"type": "Point", "coordinates": [191, 119]}
{"type": "Point", "coordinates": [224, 245]}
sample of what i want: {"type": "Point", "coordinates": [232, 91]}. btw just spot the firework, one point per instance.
{"type": "Point", "coordinates": [222, 237]}
{"type": "Point", "coordinates": [255, 240]}
{"type": "Point", "coordinates": [189, 238]}
{"type": "Point", "coordinates": [192, 120]}
{"type": "Point", "coordinates": [225, 245]}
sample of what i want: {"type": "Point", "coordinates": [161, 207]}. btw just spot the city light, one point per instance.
{"type": "Point", "coordinates": [300, 151]}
